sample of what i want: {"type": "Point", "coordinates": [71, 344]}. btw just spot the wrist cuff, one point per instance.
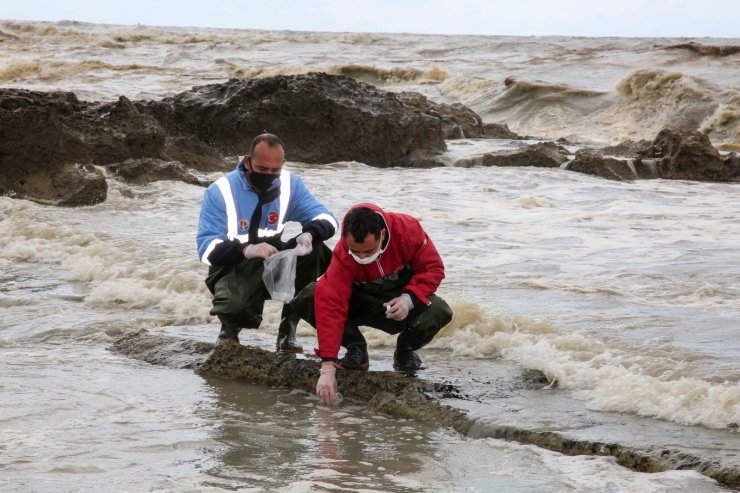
{"type": "Point", "coordinates": [413, 297]}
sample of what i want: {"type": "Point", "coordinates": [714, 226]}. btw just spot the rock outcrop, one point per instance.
{"type": "Point", "coordinates": [676, 154]}
{"type": "Point", "coordinates": [628, 148]}
{"type": "Point", "coordinates": [321, 118]}
{"type": "Point", "coordinates": [146, 170]}
{"type": "Point", "coordinates": [52, 143]}
{"type": "Point", "coordinates": [732, 164]}
{"type": "Point", "coordinates": [594, 163]}
{"type": "Point", "coordinates": [689, 155]}
{"type": "Point", "coordinates": [68, 185]}
{"type": "Point", "coordinates": [541, 155]}
{"type": "Point", "coordinates": [458, 121]}
{"type": "Point", "coordinates": [42, 154]}
{"type": "Point", "coordinates": [52, 139]}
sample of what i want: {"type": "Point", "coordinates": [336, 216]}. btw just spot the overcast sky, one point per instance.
{"type": "Point", "coordinates": [676, 18]}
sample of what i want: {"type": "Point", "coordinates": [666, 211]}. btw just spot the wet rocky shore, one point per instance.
{"type": "Point", "coordinates": [425, 400]}
{"type": "Point", "coordinates": [57, 149]}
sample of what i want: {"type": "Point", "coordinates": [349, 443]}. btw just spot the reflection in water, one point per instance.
{"type": "Point", "coordinates": [273, 438]}
{"type": "Point", "coordinates": [279, 440]}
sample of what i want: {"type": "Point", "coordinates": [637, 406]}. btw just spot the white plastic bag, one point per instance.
{"type": "Point", "coordinates": [279, 274]}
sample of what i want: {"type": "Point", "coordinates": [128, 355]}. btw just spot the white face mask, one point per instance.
{"type": "Point", "coordinates": [372, 258]}
{"type": "Point", "coordinates": [367, 260]}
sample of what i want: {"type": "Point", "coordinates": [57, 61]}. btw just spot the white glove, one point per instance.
{"type": "Point", "coordinates": [398, 308]}
{"type": "Point", "coordinates": [259, 250]}
{"type": "Point", "coordinates": [326, 387]}
{"type": "Point", "coordinates": [305, 241]}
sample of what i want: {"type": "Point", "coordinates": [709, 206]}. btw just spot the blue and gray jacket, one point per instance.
{"type": "Point", "coordinates": [229, 205]}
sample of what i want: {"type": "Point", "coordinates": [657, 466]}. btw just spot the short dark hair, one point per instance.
{"type": "Point", "coordinates": [362, 221]}
{"type": "Point", "coordinates": [271, 139]}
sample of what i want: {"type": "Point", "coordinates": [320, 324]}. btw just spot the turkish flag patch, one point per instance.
{"type": "Point", "coordinates": [272, 218]}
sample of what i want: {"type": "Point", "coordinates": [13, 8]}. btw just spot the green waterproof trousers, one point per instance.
{"type": "Point", "coordinates": [366, 309]}
{"type": "Point", "coordinates": [239, 293]}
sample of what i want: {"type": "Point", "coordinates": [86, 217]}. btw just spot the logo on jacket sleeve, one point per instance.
{"type": "Point", "coordinates": [243, 226]}
{"type": "Point", "coordinates": [272, 218]}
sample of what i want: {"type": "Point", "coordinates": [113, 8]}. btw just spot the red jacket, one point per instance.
{"type": "Point", "coordinates": [407, 244]}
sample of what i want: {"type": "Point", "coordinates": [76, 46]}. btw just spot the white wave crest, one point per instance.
{"type": "Point", "coordinates": [117, 271]}
{"type": "Point", "coordinates": [608, 377]}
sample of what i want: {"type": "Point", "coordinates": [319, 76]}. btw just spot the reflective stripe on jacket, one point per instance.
{"type": "Point", "coordinates": [229, 202]}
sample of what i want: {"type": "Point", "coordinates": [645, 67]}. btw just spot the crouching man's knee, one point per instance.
{"type": "Point", "coordinates": [440, 311]}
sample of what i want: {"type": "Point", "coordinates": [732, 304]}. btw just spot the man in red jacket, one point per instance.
{"type": "Point", "coordinates": [383, 274]}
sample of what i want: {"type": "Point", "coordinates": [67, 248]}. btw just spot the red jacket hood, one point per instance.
{"type": "Point", "coordinates": [375, 208]}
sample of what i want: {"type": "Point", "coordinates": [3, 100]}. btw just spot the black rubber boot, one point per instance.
{"type": "Point", "coordinates": [406, 360]}
{"type": "Point", "coordinates": [228, 334]}
{"type": "Point", "coordinates": [356, 358]}
{"type": "Point", "coordinates": [286, 342]}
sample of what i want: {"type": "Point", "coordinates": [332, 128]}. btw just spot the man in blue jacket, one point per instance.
{"type": "Point", "coordinates": [242, 218]}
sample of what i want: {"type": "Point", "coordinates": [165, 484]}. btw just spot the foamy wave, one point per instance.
{"type": "Point", "coordinates": [390, 76]}
{"type": "Point", "coordinates": [119, 276]}
{"type": "Point", "coordinates": [665, 292]}
{"type": "Point", "coordinates": [133, 34]}
{"type": "Point", "coordinates": [140, 34]}
{"type": "Point", "coordinates": [32, 29]}
{"type": "Point", "coordinates": [649, 85]}
{"type": "Point", "coordinates": [117, 271]}
{"type": "Point", "coordinates": [457, 88]}
{"type": "Point", "coordinates": [20, 70]}
{"type": "Point", "coordinates": [539, 108]}
{"type": "Point", "coordinates": [110, 38]}
{"type": "Point", "coordinates": [135, 292]}
{"type": "Point", "coordinates": [528, 202]}
{"type": "Point", "coordinates": [706, 295]}
{"type": "Point", "coordinates": [470, 330]}
{"type": "Point", "coordinates": [593, 473]}
{"type": "Point", "coordinates": [312, 37]}
{"type": "Point", "coordinates": [54, 71]}
{"type": "Point", "coordinates": [642, 104]}
{"type": "Point", "coordinates": [6, 36]}
{"type": "Point", "coordinates": [610, 378]}
{"type": "Point", "coordinates": [107, 43]}
{"type": "Point", "coordinates": [255, 73]}
{"type": "Point", "coordinates": [707, 50]}
{"type": "Point", "coordinates": [367, 73]}
{"type": "Point", "coordinates": [547, 284]}
{"type": "Point", "coordinates": [174, 35]}
{"type": "Point", "coordinates": [724, 124]}
{"type": "Point", "coordinates": [651, 99]}
{"type": "Point", "coordinates": [9, 301]}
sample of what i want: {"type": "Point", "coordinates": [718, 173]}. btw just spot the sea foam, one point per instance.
{"type": "Point", "coordinates": [607, 374]}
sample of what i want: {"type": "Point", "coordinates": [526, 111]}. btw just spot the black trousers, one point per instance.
{"type": "Point", "coordinates": [366, 309]}
{"type": "Point", "coordinates": [239, 293]}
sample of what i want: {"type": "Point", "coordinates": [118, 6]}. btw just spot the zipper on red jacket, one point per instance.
{"type": "Point", "coordinates": [380, 267]}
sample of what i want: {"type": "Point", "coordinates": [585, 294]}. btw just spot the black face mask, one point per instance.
{"type": "Point", "coordinates": [261, 180]}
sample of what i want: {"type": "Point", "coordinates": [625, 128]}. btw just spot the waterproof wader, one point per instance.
{"type": "Point", "coordinates": [239, 294]}
{"type": "Point", "coordinates": [366, 308]}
